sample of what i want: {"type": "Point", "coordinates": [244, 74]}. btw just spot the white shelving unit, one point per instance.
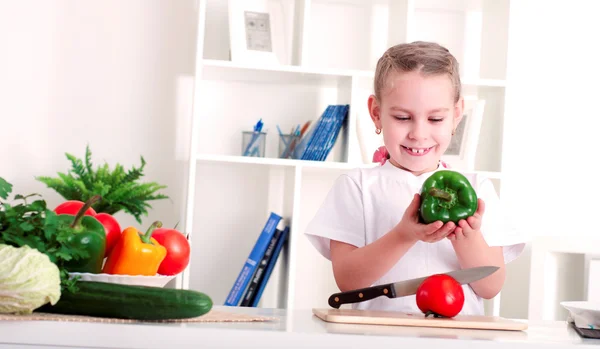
{"type": "Point", "coordinates": [331, 51]}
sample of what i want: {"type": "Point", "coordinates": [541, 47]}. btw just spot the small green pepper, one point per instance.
{"type": "Point", "coordinates": [86, 233]}
{"type": "Point", "coordinates": [447, 196]}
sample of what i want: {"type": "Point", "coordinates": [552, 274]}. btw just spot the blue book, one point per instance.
{"type": "Point", "coordinates": [315, 133]}
{"type": "Point", "coordinates": [334, 132]}
{"type": "Point", "coordinates": [312, 152]}
{"type": "Point", "coordinates": [327, 133]}
{"type": "Point", "coordinates": [257, 253]}
{"type": "Point", "coordinates": [305, 141]}
{"type": "Point", "coordinates": [260, 271]}
{"type": "Point", "coordinates": [272, 261]}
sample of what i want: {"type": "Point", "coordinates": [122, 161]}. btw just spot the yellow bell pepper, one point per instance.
{"type": "Point", "coordinates": [136, 253]}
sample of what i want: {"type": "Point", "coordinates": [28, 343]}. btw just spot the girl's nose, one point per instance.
{"type": "Point", "coordinates": [418, 131]}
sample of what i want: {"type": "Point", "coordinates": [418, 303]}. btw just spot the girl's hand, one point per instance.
{"type": "Point", "coordinates": [411, 229]}
{"type": "Point", "coordinates": [470, 226]}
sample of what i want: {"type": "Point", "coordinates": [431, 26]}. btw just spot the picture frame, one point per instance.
{"type": "Point", "coordinates": [256, 30]}
{"type": "Point", "coordinates": [462, 150]}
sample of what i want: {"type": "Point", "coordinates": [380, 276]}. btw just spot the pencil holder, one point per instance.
{"type": "Point", "coordinates": [287, 143]}
{"type": "Point", "coordinates": [253, 143]}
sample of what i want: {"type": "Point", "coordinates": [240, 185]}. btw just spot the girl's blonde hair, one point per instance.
{"type": "Point", "coordinates": [426, 57]}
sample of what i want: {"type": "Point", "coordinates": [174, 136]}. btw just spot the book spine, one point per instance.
{"type": "Point", "coordinates": [306, 155]}
{"type": "Point", "coordinates": [334, 131]}
{"type": "Point", "coordinates": [280, 243]}
{"type": "Point", "coordinates": [328, 132]}
{"type": "Point", "coordinates": [314, 155]}
{"type": "Point", "coordinates": [260, 271]}
{"type": "Point", "coordinates": [255, 256]}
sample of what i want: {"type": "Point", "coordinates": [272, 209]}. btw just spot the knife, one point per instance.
{"type": "Point", "coordinates": [406, 287]}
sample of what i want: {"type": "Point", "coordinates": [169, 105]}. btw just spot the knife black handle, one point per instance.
{"type": "Point", "coordinates": [361, 295]}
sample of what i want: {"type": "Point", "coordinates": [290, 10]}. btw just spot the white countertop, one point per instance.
{"type": "Point", "coordinates": [293, 329]}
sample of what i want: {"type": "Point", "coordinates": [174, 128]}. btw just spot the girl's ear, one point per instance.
{"type": "Point", "coordinates": [375, 111]}
{"type": "Point", "coordinates": [459, 107]}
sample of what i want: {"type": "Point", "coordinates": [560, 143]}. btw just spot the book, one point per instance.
{"type": "Point", "coordinates": [319, 133]}
{"type": "Point", "coordinates": [332, 134]}
{"type": "Point", "coordinates": [283, 238]}
{"type": "Point", "coordinates": [260, 271]}
{"type": "Point", "coordinates": [256, 254]}
{"type": "Point", "coordinates": [305, 142]}
{"type": "Point", "coordinates": [321, 138]}
{"type": "Point", "coordinates": [326, 133]}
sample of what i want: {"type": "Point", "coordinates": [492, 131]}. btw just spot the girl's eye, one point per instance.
{"type": "Point", "coordinates": [436, 119]}
{"type": "Point", "coordinates": [402, 118]}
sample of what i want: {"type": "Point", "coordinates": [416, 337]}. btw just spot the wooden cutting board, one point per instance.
{"type": "Point", "coordinates": [370, 317]}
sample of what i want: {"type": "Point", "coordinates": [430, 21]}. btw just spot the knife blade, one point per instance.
{"type": "Point", "coordinates": [406, 287]}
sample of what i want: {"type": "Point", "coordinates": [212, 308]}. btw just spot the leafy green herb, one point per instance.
{"type": "Point", "coordinates": [120, 189]}
{"type": "Point", "coordinates": [5, 188]}
{"type": "Point", "coordinates": [32, 224]}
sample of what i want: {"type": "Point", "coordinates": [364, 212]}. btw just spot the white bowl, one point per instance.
{"type": "Point", "coordinates": [584, 314]}
{"type": "Point", "coordinates": [138, 280]}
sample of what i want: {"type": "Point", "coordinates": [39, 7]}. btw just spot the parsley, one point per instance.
{"type": "Point", "coordinates": [28, 221]}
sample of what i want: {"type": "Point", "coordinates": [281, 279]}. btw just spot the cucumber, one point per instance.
{"type": "Point", "coordinates": [101, 299]}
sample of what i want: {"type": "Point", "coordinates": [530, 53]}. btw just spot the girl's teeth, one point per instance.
{"type": "Point", "coordinates": [417, 151]}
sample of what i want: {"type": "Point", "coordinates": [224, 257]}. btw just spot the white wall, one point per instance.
{"type": "Point", "coordinates": [109, 73]}
{"type": "Point", "coordinates": [551, 124]}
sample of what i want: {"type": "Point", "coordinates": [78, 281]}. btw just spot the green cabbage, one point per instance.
{"type": "Point", "coordinates": [28, 280]}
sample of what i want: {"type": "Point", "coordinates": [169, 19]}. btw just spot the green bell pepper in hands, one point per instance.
{"type": "Point", "coordinates": [86, 233]}
{"type": "Point", "coordinates": [447, 196]}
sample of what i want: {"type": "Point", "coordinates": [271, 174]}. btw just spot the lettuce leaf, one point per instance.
{"type": "Point", "coordinates": [28, 280]}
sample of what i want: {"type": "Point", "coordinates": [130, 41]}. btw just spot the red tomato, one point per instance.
{"type": "Point", "coordinates": [440, 295]}
{"type": "Point", "coordinates": [72, 207]}
{"type": "Point", "coordinates": [178, 250]}
{"type": "Point", "coordinates": [111, 226]}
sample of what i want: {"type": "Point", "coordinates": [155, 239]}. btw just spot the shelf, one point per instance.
{"type": "Point", "coordinates": [304, 163]}
{"type": "Point", "coordinates": [280, 162]}
{"type": "Point", "coordinates": [285, 68]}
{"type": "Point", "coordinates": [231, 71]}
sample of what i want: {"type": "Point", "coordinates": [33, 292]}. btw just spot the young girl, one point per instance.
{"type": "Point", "coordinates": [368, 225]}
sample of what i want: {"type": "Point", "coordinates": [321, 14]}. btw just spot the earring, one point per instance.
{"type": "Point", "coordinates": [453, 132]}
{"type": "Point", "coordinates": [378, 130]}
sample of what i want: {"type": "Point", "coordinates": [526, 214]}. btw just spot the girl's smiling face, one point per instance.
{"type": "Point", "coordinates": [417, 115]}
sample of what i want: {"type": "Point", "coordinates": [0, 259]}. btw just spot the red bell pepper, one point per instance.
{"type": "Point", "coordinates": [111, 226]}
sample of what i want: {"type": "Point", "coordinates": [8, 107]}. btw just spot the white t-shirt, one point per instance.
{"type": "Point", "coordinates": [365, 204]}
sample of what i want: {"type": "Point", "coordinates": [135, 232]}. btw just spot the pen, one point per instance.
{"type": "Point", "coordinates": [257, 130]}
